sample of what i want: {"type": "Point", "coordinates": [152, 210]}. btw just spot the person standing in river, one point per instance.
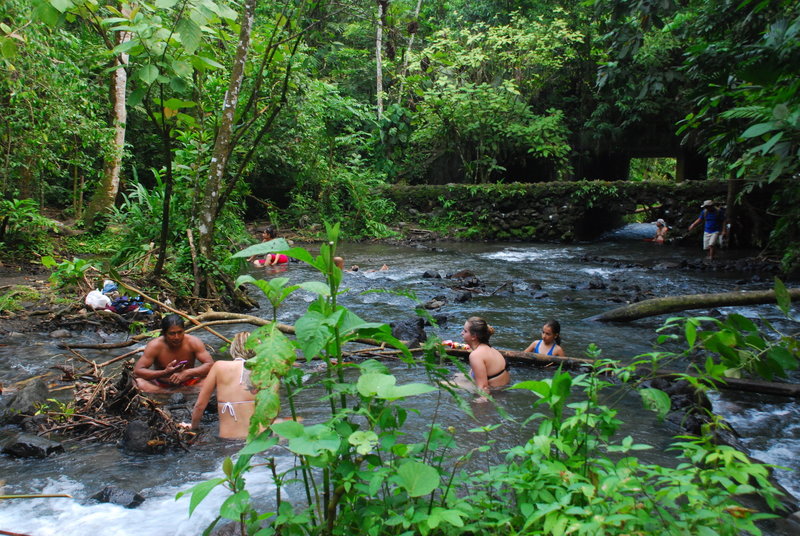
{"type": "Point", "coordinates": [713, 226]}
{"type": "Point", "coordinates": [173, 355]}
{"type": "Point", "coordinates": [488, 367]}
{"type": "Point", "coordinates": [550, 343]}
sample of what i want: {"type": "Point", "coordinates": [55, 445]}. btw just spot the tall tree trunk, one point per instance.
{"type": "Point", "coordinates": [382, 5]}
{"type": "Point", "coordinates": [223, 142]}
{"type": "Point", "coordinates": [106, 194]}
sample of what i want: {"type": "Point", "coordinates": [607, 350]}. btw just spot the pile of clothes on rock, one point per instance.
{"type": "Point", "coordinates": [109, 298]}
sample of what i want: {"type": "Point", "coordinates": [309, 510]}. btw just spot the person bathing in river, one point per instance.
{"type": "Point", "coordinates": [271, 259]}
{"type": "Point", "coordinates": [661, 232]}
{"type": "Point", "coordinates": [173, 355]}
{"type": "Point", "coordinates": [550, 343]}
{"type": "Point", "coordinates": [236, 395]}
{"type": "Point", "coordinates": [488, 367]}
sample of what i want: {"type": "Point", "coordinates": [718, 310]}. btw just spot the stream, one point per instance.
{"type": "Point", "coordinates": [524, 284]}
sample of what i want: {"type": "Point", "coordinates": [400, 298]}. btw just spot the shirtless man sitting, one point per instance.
{"type": "Point", "coordinates": [173, 354]}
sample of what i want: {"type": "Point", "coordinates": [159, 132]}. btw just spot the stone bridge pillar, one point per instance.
{"type": "Point", "coordinates": [691, 166]}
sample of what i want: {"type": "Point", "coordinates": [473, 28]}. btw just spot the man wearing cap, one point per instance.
{"type": "Point", "coordinates": [714, 226]}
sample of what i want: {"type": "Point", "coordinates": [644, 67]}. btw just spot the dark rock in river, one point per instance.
{"type": "Point", "coordinates": [30, 446]}
{"type": "Point", "coordinates": [462, 274]}
{"type": "Point", "coordinates": [436, 303]}
{"type": "Point", "coordinates": [462, 296]}
{"type": "Point", "coordinates": [412, 331]}
{"type": "Point", "coordinates": [540, 295]}
{"type": "Point", "coordinates": [135, 439]}
{"type": "Point", "coordinates": [24, 402]}
{"type": "Point", "coordinates": [115, 495]}
{"type": "Point", "coordinates": [431, 274]}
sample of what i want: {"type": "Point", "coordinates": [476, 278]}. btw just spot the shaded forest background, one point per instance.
{"type": "Point", "coordinates": [159, 126]}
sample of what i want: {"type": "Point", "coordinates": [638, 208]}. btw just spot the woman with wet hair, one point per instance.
{"type": "Point", "coordinates": [489, 367]}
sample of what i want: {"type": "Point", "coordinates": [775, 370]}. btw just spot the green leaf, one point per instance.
{"type": "Point", "coordinates": [370, 384]}
{"type": "Point", "coordinates": [235, 505]}
{"type": "Point", "coordinates": [62, 5]}
{"type": "Point", "coordinates": [541, 388]}
{"type": "Point", "coordinates": [190, 33]}
{"type": "Point", "coordinates": [262, 248]}
{"type": "Point", "coordinates": [782, 296]}
{"type": "Point", "coordinates": [316, 440]}
{"type": "Point", "coordinates": [656, 400]}
{"type": "Point", "coordinates": [288, 429]}
{"type": "Point", "coordinates": [417, 478]}
{"type": "Point", "coordinates": [148, 74]}
{"type": "Point", "coordinates": [46, 13]}
{"type": "Point", "coordinates": [166, 4]}
{"type": "Point", "coordinates": [261, 443]}
{"type": "Point", "coordinates": [363, 440]}
{"type": "Point", "coordinates": [758, 130]}
{"type": "Point", "coordinates": [317, 287]}
{"type": "Point", "coordinates": [202, 63]}
{"type": "Point", "coordinates": [783, 358]}
{"type": "Point", "coordinates": [199, 492]}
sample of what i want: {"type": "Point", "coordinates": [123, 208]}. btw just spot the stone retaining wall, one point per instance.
{"type": "Point", "coordinates": [553, 211]}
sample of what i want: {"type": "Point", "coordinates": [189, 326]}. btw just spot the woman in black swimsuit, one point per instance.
{"type": "Point", "coordinates": [489, 367]}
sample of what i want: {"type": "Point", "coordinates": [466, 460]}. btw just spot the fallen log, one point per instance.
{"type": "Point", "coordinates": [672, 304]}
{"type": "Point", "coordinates": [735, 384]}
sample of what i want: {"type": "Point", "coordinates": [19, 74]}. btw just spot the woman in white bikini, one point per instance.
{"type": "Point", "coordinates": [235, 394]}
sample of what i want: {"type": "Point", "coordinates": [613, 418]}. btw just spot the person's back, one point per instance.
{"type": "Point", "coordinates": [235, 398]}
{"type": "Point", "coordinates": [235, 394]}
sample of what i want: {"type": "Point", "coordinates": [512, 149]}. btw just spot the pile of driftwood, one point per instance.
{"type": "Point", "coordinates": [103, 407]}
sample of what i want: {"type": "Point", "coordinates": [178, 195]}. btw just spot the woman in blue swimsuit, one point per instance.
{"type": "Point", "coordinates": [550, 343]}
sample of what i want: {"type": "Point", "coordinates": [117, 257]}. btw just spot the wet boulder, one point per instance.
{"type": "Point", "coordinates": [30, 446]}
{"type": "Point", "coordinates": [540, 295]}
{"type": "Point", "coordinates": [136, 438]}
{"type": "Point", "coordinates": [115, 495]}
{"type": "Point", "coordinates": [431, 274]}
{"type": "Point", "coordinates": [60, 334]}
{"type": "Point", "coordinates": [462, 296]}
{"type": "Point", "coordinates": [24, 402]}
{"type": "Point", "coordinates": [437, 302]}
{"type": "Point", "coordinates": [412, 331]}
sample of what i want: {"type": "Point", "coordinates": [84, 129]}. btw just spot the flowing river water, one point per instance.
{"type": "Point", "coordinates": [524, 284]}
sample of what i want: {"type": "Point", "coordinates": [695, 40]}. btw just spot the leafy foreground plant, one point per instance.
{"type": "Point", "coordinates": [360, 475]}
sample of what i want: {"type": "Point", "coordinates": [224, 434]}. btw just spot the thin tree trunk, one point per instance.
{"type": "Point", "coordinates": [106, 194]}
{"type": "Point", "coordinates": [222, 144]}
{"type": "Point", "coordinates": [382, 5]}
{"type": "Point", "coordinates": [412, 29]}
{"type": "Point", "coordinates": [672, 304]}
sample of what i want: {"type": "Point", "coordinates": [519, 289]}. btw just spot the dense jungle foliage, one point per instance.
{"type": "Point", "coordinates": [143, 120]}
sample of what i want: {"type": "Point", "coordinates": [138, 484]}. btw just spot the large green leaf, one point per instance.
{"type": "Point", "coordinates": [199, 492]}
{"type": "Point", "coordinates": [417, 478]}
{"type": "Point", "coordinates": [190, 34]}
{"type": "Point", "coordinates": [316, 440]}
{"type": "Point", "coordinates": [782, 296]}
{"type": "Point", "coordinates": [62, 5]}
{"type": "Point", "coordinates": [758, 130]}
{"type": "Point", "coordinates": [656, 400]}
{"type": "Point", "coordinates": [148, 73]}
{"type": "Point", "coordinates": [235, 505]}
{"type": "Point", "coordinates": [262, 248]}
